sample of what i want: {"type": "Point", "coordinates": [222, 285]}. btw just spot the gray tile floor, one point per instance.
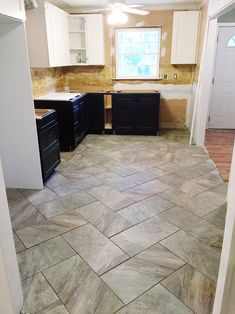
{"type": "Point", "coordinates": [128, 224]}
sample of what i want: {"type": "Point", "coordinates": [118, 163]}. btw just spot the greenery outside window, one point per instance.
{"type": "Point", "coordinates": [138, 53]}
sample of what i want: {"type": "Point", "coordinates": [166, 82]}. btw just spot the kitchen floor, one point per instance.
{"type": "Point", "coordinates": [128, 224]}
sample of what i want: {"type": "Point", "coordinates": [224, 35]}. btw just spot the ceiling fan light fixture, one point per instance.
{"type": "Point", "coordinates": [117, 17]}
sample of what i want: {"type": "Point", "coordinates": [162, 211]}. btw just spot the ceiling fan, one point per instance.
{"type": "Point", "coordinates": [118, 10]}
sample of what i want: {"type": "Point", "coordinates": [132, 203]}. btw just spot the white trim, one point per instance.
{"type": "Point", "coordinates": [225, 24]}
{"type": "Point", "coordinates": [201, 107]}
{"type": "Point", "coordinates": [213, 76]}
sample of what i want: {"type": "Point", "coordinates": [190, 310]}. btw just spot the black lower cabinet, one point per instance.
{"type": "Point", "coordinates": [95, 103]}
{"type": "Point", "coordinates": [73, 119]}
{"type": "Point", "coordinates": [130, 113]}
{"type": "Point", "coordinates": [135, 113]}
{"type": "Point", "coordinates": [48, 138]}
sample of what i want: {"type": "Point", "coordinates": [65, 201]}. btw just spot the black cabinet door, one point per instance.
{"type": "Point", "coordinates": [147, 117]}
{"type": "Point", "coordinates": [84, 118]}
{"type": "Point", "coordinates": [124, 111]}
{"type": "Point", "coordinates": [136, 113]}
{"type": "Point", "coordinates": [48, 139]}
{"type": "Point", "coordinates": [95, 103]}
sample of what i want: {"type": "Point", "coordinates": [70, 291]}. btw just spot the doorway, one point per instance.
{"type": "Point", "coordinates": [220, 135]}
{"type": "Point", "coordinates": [222, 109]}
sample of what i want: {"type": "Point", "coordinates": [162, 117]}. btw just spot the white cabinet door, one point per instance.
{"type": "Point", "coordinates": [13, 8]}
{"type": "Point", "coordinates": [47, 35]}
{"type": "Point", "coordinates": [95, 39]}
{"type": "Point", "coordinates": [185, 37]}
{"type": "Point", "coordinates": [59, 37]}
{"type": "Point", "coordinates": [86, 33]}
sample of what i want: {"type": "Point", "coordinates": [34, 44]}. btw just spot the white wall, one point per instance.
{"type": "Point", "coordinates": [11, 298]}
{"type": "Point", "coordinates": [18, 136]}
{"type": "Point", "coordinates": [224, 299]}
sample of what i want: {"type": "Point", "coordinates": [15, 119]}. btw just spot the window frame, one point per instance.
{"type": "Point", "coordinates": [153, 77]}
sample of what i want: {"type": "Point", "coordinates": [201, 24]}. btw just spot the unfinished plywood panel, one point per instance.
{"type": "Point", "coordinates": [108, 112]}
{"type": "Point", "coordinates": [46, 80]}
{"type": "Point", "coordinates": [172, 113]}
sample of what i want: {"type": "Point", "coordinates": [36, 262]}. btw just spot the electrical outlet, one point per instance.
{"type": "Point", "coordinates": [165, 76]}
{"type": "Point", "coordinates": [66, 88]}
{"type": "Point", "coordinates": [175, 76]}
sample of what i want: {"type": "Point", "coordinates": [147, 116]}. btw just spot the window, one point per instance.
{"type": "Point", "coordinates": [137, 53]}
{"type": "Point", "coordinates": [231, 42]}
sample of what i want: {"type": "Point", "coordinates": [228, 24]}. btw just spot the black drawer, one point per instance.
{"type": "Point", "coordinates": [76, 116]}
{"type": "Point", "coordinates": [50, 161]}
{"type": "Point", "coordinates": [49, 137]}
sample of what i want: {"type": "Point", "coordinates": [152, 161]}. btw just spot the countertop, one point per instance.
{"type": "Point", "coordinates": [113, 91]}
{"type": "Point", "coordinates": [60, 96]}
{"type": "Point", "coordinates": [41, 113]}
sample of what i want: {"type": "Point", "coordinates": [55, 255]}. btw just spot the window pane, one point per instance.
{"type": "Point", "coordinates": [137, 52]}
{"type": "Point", "coordinates": [231, 42]}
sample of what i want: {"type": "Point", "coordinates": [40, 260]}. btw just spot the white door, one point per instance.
{"type": "Point", "coordinates": [222, 111]}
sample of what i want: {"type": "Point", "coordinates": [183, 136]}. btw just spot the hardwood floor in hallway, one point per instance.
{"type": "Point", "coordinates": [219, 144]}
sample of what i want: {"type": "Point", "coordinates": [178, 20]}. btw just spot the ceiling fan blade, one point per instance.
{"type": "Point", "coordinates": [134, 11]}
{"type": "Point", "coordinates": [95, 10]}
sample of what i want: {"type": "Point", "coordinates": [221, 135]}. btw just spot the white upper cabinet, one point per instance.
{"type": "Point", "coordinates": [13, 9]}
{"type": "Point", "coordinates": [47, 35]}
{"type": "Point", "coordinates": [185, 37]}
{"type": "Point", "coordinates": [216, 5]}
{"type": "Point", "coordinates": [86, 39]}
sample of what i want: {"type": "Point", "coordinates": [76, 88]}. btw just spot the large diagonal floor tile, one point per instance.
{"type": "Point", "coordinates": [192, 288]}
{"type": "Point", "coordinates": [54, 308]}
{"type": "Point", "coordinates": [43, 256]}
{"type": "Point", "coordinates": [145, 209]}
{"type": "Point", "coordinates": [99, 252]}
{"type": "Point", "coordinates": [80, 289]}
{"type": "Point", "coordinates": [74, 186]}
{"type": "Point", "coordinates": [104, 219]}
{"type": "Point", "coordinates": [65, 204]}
{"type": "Point", "coordinates": [196, 226]}
{"type": "Point", "coordinates": [143, 235]}
{"type": "Point", "coordinates": [194, 252]}
{"type": "Point", "coordinates": [110, 197]}
{"type": "Point", "coordinates": [50, 228]}
{"type": "Point", "coordinates": [146, 190]}
{"type": "Point", "coordinates": [37, 294]}
{"type": "Point", "coordinates": [156, 301]}
{"type": "Point", "coordinates": [37, 197]}
{"type": "Point", "coordinates": [23, 214]}
{"type": "Point", "coordinates": [135, 276]}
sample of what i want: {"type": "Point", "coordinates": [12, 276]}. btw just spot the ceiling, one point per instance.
{"type": "Point", "coordinates": [79, 5]}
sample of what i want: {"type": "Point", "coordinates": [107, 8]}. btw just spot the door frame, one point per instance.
{"type": "Point", "coordinates": [224, 297]}
{"type": "Point", "coordinates": [203, 94]}
{"type": "Point", "coordinates": [219, 25]}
